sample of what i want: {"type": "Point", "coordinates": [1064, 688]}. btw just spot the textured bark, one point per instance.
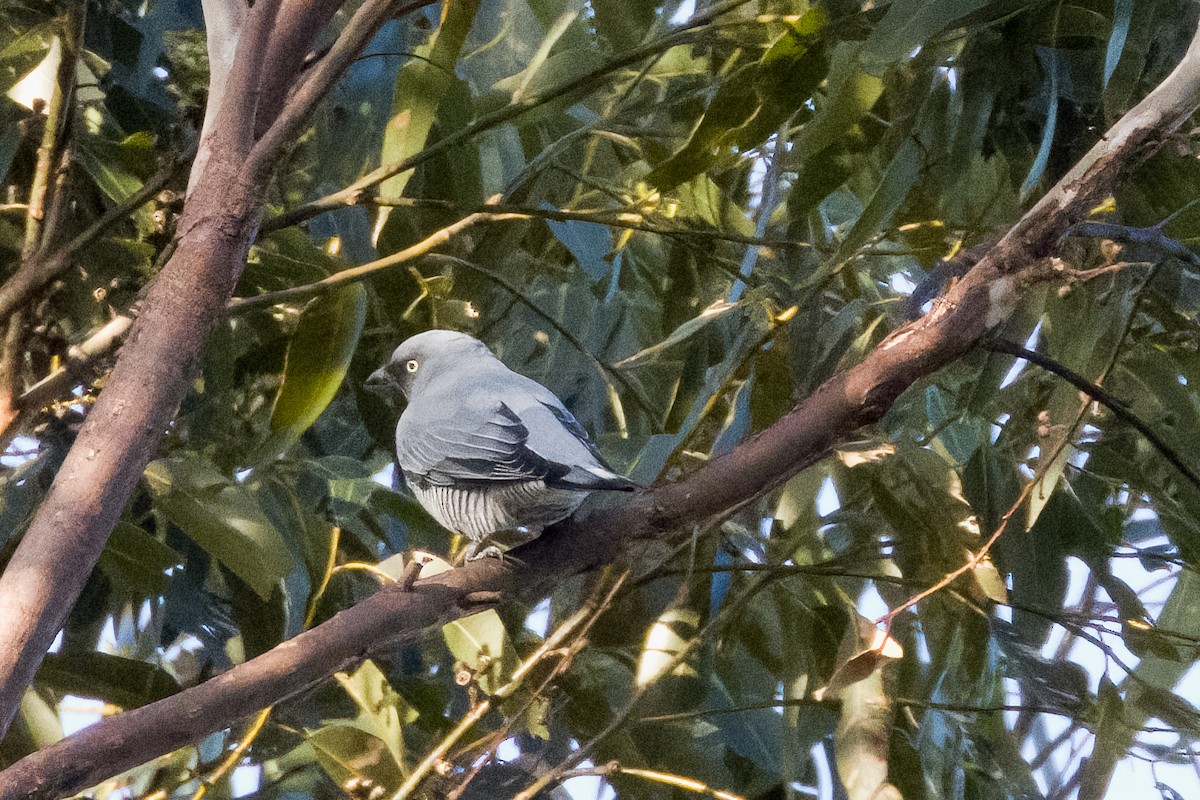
{"type": "Point", "coordinates": [122, 432]}
{"type": "Point", "coordinates": [160, 357]}
{"type": "Point", "coordinates": [597, 535]}
{"type": "Point", "coordinates": [65, 538]}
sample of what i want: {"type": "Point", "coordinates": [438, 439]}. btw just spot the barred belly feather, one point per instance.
{"type": "Point", "coordinates": [478, 511]}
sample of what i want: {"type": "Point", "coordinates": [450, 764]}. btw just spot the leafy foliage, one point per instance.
{"type": "Point", "coordinates": [700, 215]}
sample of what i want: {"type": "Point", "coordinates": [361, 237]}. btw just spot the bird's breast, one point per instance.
{"type": "Point", "coordinates": [478, 511]}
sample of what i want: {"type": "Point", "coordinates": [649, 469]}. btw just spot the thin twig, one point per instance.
{"type": "Point", "coordinates": [582, 620]}
{"type": "Point", "coordinates": [585, 750]}
{"type": "Point", "coordinates": [1101, 396]}
{"type": "Point", "coordinates": [679, 782]}
{"type": "Point", "coordinates": [37, 227]}
{"type": "Point", "coordinates": [971, 563]}
{"type": "Point", "coordinates": [360, 273]}
{"type": "Point", "coordinates": [44, 267]}
{"type": "Point", "coordinates": [624, 218]}
{"type": "Point", "coordinates": [235, 755]}
{"type": "Point", "coordinates": [1152, 236]}
{"type": "Point", "coordinates": [352, 193]}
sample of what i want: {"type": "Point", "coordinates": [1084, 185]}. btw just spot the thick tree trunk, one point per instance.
{"type": "Point", "coordinates": [122, 432]}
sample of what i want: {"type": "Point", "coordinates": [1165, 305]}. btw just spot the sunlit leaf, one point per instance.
{"type": "Point", "coordinates": [317, 360]}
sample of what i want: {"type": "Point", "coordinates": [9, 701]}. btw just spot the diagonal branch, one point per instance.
{"type": "Point", "coordinates": [1102, 396]}
{"type": "Point", "coordinates": [351, 194]}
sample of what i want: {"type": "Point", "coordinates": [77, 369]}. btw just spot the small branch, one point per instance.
{"type": "Point", "coordinates": [805, 702]}
{"type": "Point", "coordinates": [583, 620]}
{"type": "Point", "coordinates": [57, 383]}
{"type": "Point", "coordinates": [560, 773]}
{"type": "Point", "coordinates": [626, 219]}
{"type": "Point", "coordinates": [57, 111]}
{"type": "Point", "coordinates": [223, 21]}
{"type": "Point", "coordinates": [10, 375]}
{"type": "Point", "coordinates": [1101, 396]}
{"type": "Point", "coordinates": [353, 193]}
{"type": "Point", "coordinates": [42, 268]}
{"type": "Point", "coordinates": [37, 227]}
{"type": "Point", "coordinates": [971, 563]}
{"type": "Point", "coordinates": [356, 274]}
{"type": "Point", "coordinates": [317, 82]}
{"type": "Point", "coordinates": [676, 781]}
{"type": "Point", "coordinates": [1152, 236]}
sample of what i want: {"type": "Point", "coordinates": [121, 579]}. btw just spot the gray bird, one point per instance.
{"type": "Point", "coordinates": [485, 449]}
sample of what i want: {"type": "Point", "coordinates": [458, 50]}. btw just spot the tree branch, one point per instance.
{"type": "Point", "coordinates": [352, 193]}
{"type": "Point", "coordinates": [1101, 396]}
{"type": "Point", "coordinates": [626, 219]}
{"type": "Point", "coordinates": [223, 21]}
{"type": "Point", "coordinates": [355, 274]}
{"type": "Point", "coordinates": [283, 129]}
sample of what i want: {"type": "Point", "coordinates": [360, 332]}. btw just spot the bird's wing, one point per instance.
{"type": "Point", "coordinates": [558, 438]}
{"type": "Point", "coordinates": [480, 447]}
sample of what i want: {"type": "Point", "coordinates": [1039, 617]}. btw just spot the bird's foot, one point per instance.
{"type": "Point", "coordinates": [475, 550]}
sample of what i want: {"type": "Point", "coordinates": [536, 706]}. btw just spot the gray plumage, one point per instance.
{"type": "Point", "coordinates": [485, 449]}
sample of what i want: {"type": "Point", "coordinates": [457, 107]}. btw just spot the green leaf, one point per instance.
{"type": "Point", "coordinates": [852, 94]}
{"type": "Point", "coordinates": [1051, 64]}
{"type": "Point", "coordinates": [136, 560]}
{"type": "Point", "coordinates": [893, 188]}
{"type": "Point", "coordinates": [345, 751]}
{"type": "Point", "coordinates": [589, 243]}
{"type": "Point", "coordinates": [124, 682]}
{"type": "Point", "coordinates": [909, 24]}
{"type": "Point", "coordinates": [753, 102]}
{"type": "Point", "coordinates": [118, 168]}
{"type": "Point", "coordinates": [382, 712]}
{"type": "Point", "coordinates": [422, 85]}
{"type": "Point", "coordinates": [481, 643]}
{"type": "Point", "coordinates": [318, 357]}
{"type": "Point", "coordinates": [223, 518]}
{"type": "Point", "coordinates": [1113, 737]}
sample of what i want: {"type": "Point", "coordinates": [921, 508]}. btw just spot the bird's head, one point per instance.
{"type": "Point", "coordinates": [422, 358]}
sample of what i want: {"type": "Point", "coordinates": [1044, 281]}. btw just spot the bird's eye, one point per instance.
{"type": "Point", "coordinates": [411, 365]}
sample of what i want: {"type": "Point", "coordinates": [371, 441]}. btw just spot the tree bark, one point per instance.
{"type": "Point", "coordinates": [155, 367]}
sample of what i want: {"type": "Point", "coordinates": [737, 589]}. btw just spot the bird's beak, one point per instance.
{"type": "Point", "coordinates": [380, 383]}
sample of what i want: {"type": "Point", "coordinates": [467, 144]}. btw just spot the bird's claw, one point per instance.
{"type": "Point", "coordinates": [476, 551]}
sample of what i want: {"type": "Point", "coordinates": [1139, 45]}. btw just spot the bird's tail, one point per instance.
{"type": "Point", "coordinates": [596, 478]}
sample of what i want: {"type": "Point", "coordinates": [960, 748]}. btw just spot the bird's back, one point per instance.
{"type": "Point", "coordinates": [487, 449]}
